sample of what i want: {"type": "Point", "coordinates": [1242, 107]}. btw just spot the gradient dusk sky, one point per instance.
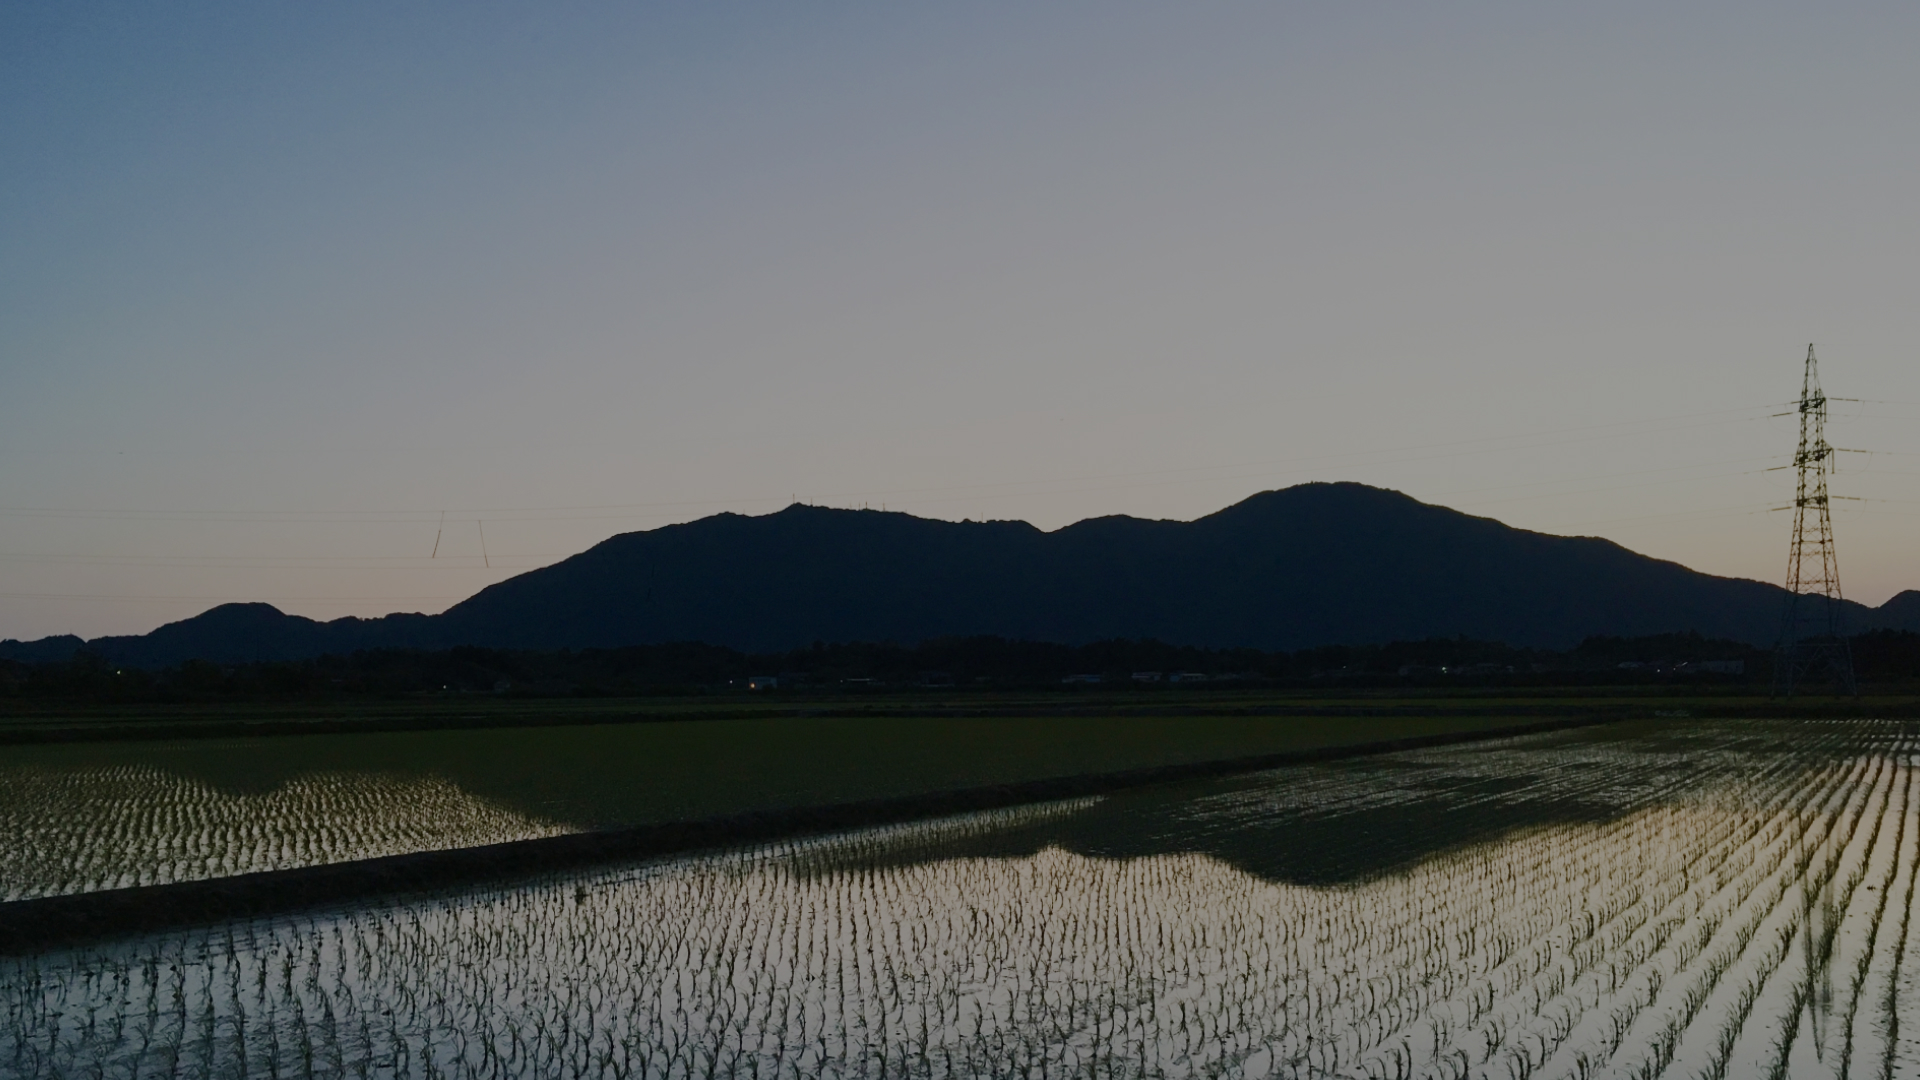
{"type": "Point", "coordinates": [288, 291]}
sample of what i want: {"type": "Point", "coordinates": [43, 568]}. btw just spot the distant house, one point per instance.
{"type": "Point", "coordinates": [1081, 679]}
{"type": "Point", "coordinates": [763, 682]}
{"type": "Point", "coordinates": [1147, 676]}
{"type": "Point", "coordinates": [1187, 677]}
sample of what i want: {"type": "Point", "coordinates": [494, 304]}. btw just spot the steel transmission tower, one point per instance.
{"type": "Point", "coordinates": [1813, 643]}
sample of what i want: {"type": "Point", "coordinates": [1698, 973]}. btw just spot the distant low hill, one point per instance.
{"type": "Point", "coordinates": [1311, 565]}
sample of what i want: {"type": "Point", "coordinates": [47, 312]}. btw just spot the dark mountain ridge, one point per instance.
{"type": "Point", "coordinates": [1316, 564]}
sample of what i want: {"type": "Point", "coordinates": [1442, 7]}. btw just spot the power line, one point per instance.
{"type": "Point", "coordinates": [264, 560]}
{"type": "Point", "coordinates": [225, 599]}
{"type": "Point", "coordinates": [991, 489]}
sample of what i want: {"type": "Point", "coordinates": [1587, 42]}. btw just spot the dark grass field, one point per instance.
{"type": "Point", "coordinates": [24, 721]}
{"type": "Point", "coordinates": [612, 774]}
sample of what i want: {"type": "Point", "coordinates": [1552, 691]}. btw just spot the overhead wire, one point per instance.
{"type": "Point", "coordinates": [228, 598]}
{"type": "Point", "coordinates": [1294, 464]}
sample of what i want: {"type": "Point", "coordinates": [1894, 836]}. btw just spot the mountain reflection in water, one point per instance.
{"type": "Point", "coordinates": [1737, 903]}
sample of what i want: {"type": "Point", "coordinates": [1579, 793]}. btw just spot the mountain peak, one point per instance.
{"type": "Point", "coordinates": [1314, 564]}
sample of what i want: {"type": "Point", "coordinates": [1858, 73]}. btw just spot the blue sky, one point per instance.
{"type": "Point", "coordinates": [280, 284]}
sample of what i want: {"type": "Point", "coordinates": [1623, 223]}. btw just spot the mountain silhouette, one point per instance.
{"type": "Point", "coordinates": [1310, 565]}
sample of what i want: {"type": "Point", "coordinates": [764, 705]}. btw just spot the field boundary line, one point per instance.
{"type": "Point", "coordinates": [22, 730]}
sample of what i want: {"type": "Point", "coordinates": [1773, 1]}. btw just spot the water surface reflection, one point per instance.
{"type": "Point", "coordinates": [1572, 907]}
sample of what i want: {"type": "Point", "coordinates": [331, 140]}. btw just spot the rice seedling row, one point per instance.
{"type": "Point", "coordinates": [72, 832]}
{"type": "Point", "coordinates": [1749, 915]}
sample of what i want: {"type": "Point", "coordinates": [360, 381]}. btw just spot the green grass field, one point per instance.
{"type": "Point", "coordinates": [600, 775]}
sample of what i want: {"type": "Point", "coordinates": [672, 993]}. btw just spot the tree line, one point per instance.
{"type": "Point", "coordinates": [950, 663]}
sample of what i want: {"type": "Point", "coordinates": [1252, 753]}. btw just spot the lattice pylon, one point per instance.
{"type": "Point", "coordinates": [1813, 641]}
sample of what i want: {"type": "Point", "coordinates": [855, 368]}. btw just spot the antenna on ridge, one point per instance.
{"type": "Point", "coordinates": [1813, 638]}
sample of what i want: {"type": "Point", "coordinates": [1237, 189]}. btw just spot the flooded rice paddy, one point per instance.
{"type": "Point", "coordinates": [1700, 900]}
{"type": "Point", "coordinates": [91, 816]}
{"type": "Point", "coordinates": [141, 825]}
